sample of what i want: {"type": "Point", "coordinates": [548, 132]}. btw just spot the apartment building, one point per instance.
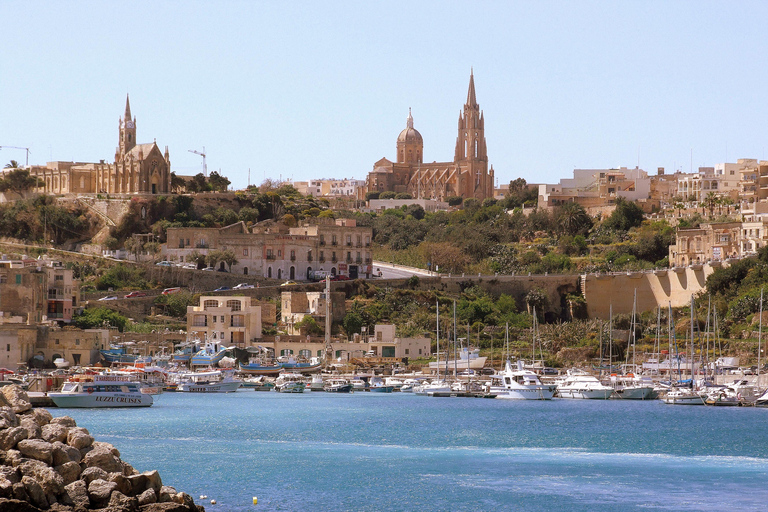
{"type": "Point", "coordinates": [229, 320]}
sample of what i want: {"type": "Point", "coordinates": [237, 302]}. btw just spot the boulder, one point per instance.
{"type": "Point", "coordinates": [36, 449]}
{"type": "Point", "coordinates": [63, 453]}
{"type": "Point", "coordinates": [19, 492]}
{"type": "Point", "coordinates": [144, 481]}
{"type": "Point", "coordinates": [69, 471]}
{"type": "Point", "coordinates": [35, 492]}
{"type": "Point", "coordinates": [99, 492]}
{"type": "Point", "coordinates": [128, 470]}
{"type": "Point", "coordinates": [50, 480]}
{"type": "Point", "coordinates": [122, 503]}
{"type": "Point", "coordinates": [76, 438]}
{"type": "Point", "coordinates": [13, 458]}
{"type": "Point", "coordinates": [17, 398]}
{"type": "Point", "coordinates": [31, 426]}
{"type": "Point", "coordinates": [91, 474]}
{"type": "Point", "coordinates": [76, 494]}
{"type": "Point", "coordinates": [10, 474]}
{"type": "Point", "coordinates": [6, 488]}
{"type": "Point", "coordinates": [101, 457]}
{"type": "Point", "coordinates": [147, 497]}
{"type": "Point", "coordinates": [58, 507]}
{"type": "Point", "coordinates": [166, 494]}
{"type": "Point", "coordinates": [54, 432]}
{"type": "Point", "coordinates": [10, 436]}
{"type": "Point", "coordinates": [107, 446]}
{"type": "Point", "coordinates": [67, 421]}
{"type": "Point", "coordinates": [169, 507]}
{"type": "Point", "coordinates": [186, 500]}
{"type": "Point", "coordinates": [41, 416]}
{"type": "Point", "coordinates": [8, 418]}
{"type": "Point", "coordinates": [123, 484]}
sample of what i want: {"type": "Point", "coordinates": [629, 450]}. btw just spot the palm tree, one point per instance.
{"type": "Point", "coordinates": [710, 201]}
{"type": "Point", "coordinates": [12, 165]}
{"type": "Point", "coordinates": [573, 218]}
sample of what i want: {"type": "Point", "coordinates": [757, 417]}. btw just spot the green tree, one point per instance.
{"type": "Point", "coordinates": [352, 323]}
{"type": "Point", "coordinates": [627, 215]}
{"type": "Point", "coordinates": [92, 318]}
{"type": "Point", "coordinates": [573, 219]}
{"type": "Point", "coordinates": [403, 195]}
{"type": "Point", "coordinates": [13, 164]}
{"type": "Point", "coordinates": [387, 194]}
{"type": "Point", "coordinates": [178, 184]}
{"type": "Point", "coordinates": [198, 184]}
{"type": "Point", "coordinates": [218, 182]}
{"type": "Point", "coordinates": [372, 195]}
{"type": "Point", "coordinates": [454, 200]}
{"type": "Point", "coordinates": [228, 257]}
{"type": "Point", "coordinates": [19, 181]}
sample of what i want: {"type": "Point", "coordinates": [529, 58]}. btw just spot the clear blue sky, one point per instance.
{"type": "Point", "coordinates": [322, 89]}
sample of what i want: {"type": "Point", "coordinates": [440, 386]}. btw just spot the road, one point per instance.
{"type": "Point", "coordinates": [396, 272]}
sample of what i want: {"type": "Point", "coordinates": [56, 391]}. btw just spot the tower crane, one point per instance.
{"type": "Point", "coordinates": [202, 154]}
{"type": "Point", "coordinates": [27, 150]}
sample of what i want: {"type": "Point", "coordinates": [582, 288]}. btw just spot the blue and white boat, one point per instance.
{"type": "Point", "coordinates": [210, 355]}
{"type": "Point", "coordinates": [377, 385]}
{"type": "Point", "coordinates": [117, 354]}
{"type": "Point", "coordinates": [289, 363]}
{"type": "Point", "coordinates": [256, 368]}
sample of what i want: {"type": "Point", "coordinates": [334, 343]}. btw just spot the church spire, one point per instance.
{"type": "Point", "coordinates": [409, 122]}
{"type": "Point", "coordinates": [127, 115]}
{"type": "Point", "coordinates": [471, 100]}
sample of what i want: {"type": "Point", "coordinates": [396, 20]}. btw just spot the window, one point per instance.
{"type": "Point", "coordinates": [406, 351]}
{"type": "Point", "coordinates": [210, 304]}
{"type": "Point", "coordinates": [56, 342]}
{"type": "Point", "coordinates": [8, 347]}
{"type": "Point", "coordinates": [234, 305]}
{"type": "Point", "coordinates": [245, 252]}
{"type": "Point", "coordinates": [77, 341]}
{"type": "Point", "coordinates": [222, 321]}
{"type": "Point", "coordinates": [18, 278]}
{"type": "Point", "coordinates": [58, 277]}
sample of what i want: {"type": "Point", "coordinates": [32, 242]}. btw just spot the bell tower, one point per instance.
{"type": "Point", "coordinates": [470, 144]}
{"type": "Point", "coordinates": [127, 130]}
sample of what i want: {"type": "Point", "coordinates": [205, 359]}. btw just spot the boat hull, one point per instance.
{"type": "Point", "coordinates": [382, 389]}
{"type": "Point", "coordinates": [634, 393]}
{"type": "Point", "coordinates": [585, 394]}
{"type": "Point", "coordinates": [291, 387]}
{"type": "Point", "coordinates": [257, 369]}
{"type": "Point", "coordinates": [683, 399]}
{"type": "Point", "coordinates": [100, 400]}
{"type": "Point", "coordinates": [526, 393]}
{"type": "Point", "coordinates": [214, 387]}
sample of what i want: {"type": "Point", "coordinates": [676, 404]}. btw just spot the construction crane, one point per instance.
{"type": "Point", "coordinates": [202, 154]}
{"type": "Point", "coordinates": [27, 150]}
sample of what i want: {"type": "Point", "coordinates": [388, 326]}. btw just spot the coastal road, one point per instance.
{"type": "Point", "coordinates": [390, 271]}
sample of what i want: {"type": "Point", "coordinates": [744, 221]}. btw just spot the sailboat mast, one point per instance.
{"type": "Point", "coordinates": [759, 337]}
{"type": "Point", "coordinates": [692, 361]}
{"type": "Point", "coordinates": [437, 337]}
{"type": "Point", "coordinates": [610, 339]}
{"type": "Point", "coordinates": [634, 330]}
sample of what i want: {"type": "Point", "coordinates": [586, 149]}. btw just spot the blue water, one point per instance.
{"type": "Point", "coordinates": [401, 452]}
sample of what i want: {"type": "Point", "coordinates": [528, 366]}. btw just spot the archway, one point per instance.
{"type": "Point", "coordinates": [292, 273]}
{"type": "Point", "coordinates": [279, 273]}
{"type": "Point", "coordinates": [269, 272]}
{"type": "Point", "coordinates": [245, 271]}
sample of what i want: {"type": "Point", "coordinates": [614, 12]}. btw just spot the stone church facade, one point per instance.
{"type": "Point", "coordinates": [137, 169]}
{"type": "Point", "coordinates": [468, 175]}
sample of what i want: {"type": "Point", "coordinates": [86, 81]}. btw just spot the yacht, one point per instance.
{"type": "Point", "coordinates": [519, 384]}
{"type": "Point", "coordinates": [338, 385]}
{"type": "Point", "coordinates": [436, 386]}
{"type": "Point", "coordinates": [631, 387]}
{"type": "Point", "coordinates": [317, 383]}
{"type": "Point", "coordinates": [396, 383]}
{"type": "Point", "coordinates": [358, 384]}
{"type": "Point", "coordinates": [409, 385]}
{"type": "Point", "coordinates": [579, 384]}
{"type": "Point", "coordinates": [101, 391]}
{"type": "Point", "coordinates": [290, 383]}
{"type": "Point", "coordinates": [377, 385]}
{"type": "Point", "coordinates": [213, 381]}
{"type": "Point", "coordinates": [683, 396]}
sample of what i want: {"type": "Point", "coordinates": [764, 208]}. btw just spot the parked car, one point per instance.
{"type": "Point", "coordinates": [164, 264]}
{"type": "Point", "coordinates": [339, 277]}
{"type": "Point", "coordinates": [209, 269]}
{"type": "Point", "coordinates": [169, 291]}
{"type": "Point", "coordinates": [287, 283]}
{"type": "Point", "coordinates": [109, 297]}
{"type": "Point", "coordinates": [135, 294]}
{"type": "Point", "coordinates": [222, 289]}
{"type": "Point", "coordinates": [243, 286]}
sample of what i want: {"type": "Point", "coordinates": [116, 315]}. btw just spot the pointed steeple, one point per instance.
{"type": "Point", "coordinates": [409, 122]}
{"type": "Point", "coordinates": [471, 100]}
{"type": "Point", "coordinates": [127, 115]}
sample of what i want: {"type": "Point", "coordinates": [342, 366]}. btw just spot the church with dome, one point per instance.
{"type": "Point", "coordinates": [468, 175]}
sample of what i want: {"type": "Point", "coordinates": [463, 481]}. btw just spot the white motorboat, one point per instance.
{"type": "Point", "coordinates": [409, 385]}
{"type": "Point", "coordinates": [631, 387]}
{"type": "Point", "coordinates": [579, 384]}
{"type": "Point", "coordinates": [101, 391]}
{"type": "Point", "coordinates": [317, 383]}
{"type": "Point", "coordinates": [214, 381]}
{"type": "Point", "coordinates": [520, 384]}
{"type": "Point", "coordinates": [60, 362]}
{"type": "Point", "coordinates": [377, 385]}
{"type": "Point", "coordinates": [762, 401]}
{"type": "Point", "coordinates": [358, 384]}
{"type": "Point", "coordinates": [684, 396]}
{"type": "Point", "coordinates": [338, 385]}
{"type": "Point", "coordinates": [436, 386]}
{"type": "Point", "coordinates": [290, 383]}
{"type": "Point", "coordinates": [394, 382]}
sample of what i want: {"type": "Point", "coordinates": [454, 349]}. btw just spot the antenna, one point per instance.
{"type": "Point", "coordinates": [202, 154]}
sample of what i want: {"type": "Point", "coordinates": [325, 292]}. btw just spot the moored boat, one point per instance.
{"type": "Point", "coordinates": [377, 385]}
{"type": "Point", "coordinates": [214, 381]}
{"type": "Point", "coordinates": [520, 384]}
{"type": "Point", "coordinates": [581, 385]}
{"type": "Point", "coordinates": [100, 391]}
{"type": "Point", "coordinates": [683, 396]}
{"type": "Point", "coordinates": [290, 383]}
{"type": "Point", "coordinates": [338, 385]}
{"type": "Point", "coordinates": [209, 356]}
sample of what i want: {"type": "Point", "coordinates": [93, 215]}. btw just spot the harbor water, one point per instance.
{"type": "Point", "coordinates": [401, 452]}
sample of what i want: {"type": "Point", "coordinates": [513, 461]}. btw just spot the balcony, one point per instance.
{"type": "Point", "coordinates": [358, 245]}
{"type": "Point", "coordinates": [349, 244]}
{"type": "Point", "coordinates": [270, 257]}
{"type": "Point", "coordinates": [359, 261]}
{"type": "Point", "coordinates": [334, 260]}
{"type": "Point", "coordinates": [349, 260]}
{"type": "Point", "coordinates": [334, 243]}
{"type": "Point", "coordinates": [293, 258]}
{"type": "Point", "coordinates": [201, 245]}
{"type": "Point", "coordinates": [309, 257]}
{"type": "Point", "coordinates": [322, 242]}
{"type": "Point", "coordinates": [322, 259]}
{"type": "Point", "coordinates": [368, 261]}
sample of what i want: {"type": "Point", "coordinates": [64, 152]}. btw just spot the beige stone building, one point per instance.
{"type": "Point", "coordinates": [79, 347]}
{"type": "Point", "coordinates": [384, 343]}
{"type": "Point", "coordinates": [63, 293]}
{"type": "Point", "coordinates": [229, 320]}
{"type": "Point", "coordinates": [468, 175]}
{"type": "Point", "coordinates": [708, 242]}
{"type": "Point", "coordinates": [137, 168]}
{"type": "Point", "coordinates": [297, 305]}
{"type": "Point", "coordinates": [275, 251]}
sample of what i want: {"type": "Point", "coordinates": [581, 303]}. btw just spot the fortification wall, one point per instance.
{"type": "Point", "coordinates": [658, 288]}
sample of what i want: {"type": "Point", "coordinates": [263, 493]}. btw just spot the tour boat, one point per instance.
{"type": "Point", "coordinates": [290, 383]}
{"type": "Point", "coordinates": [520, 384]}
{"type": "Point", "coordinates": [100, 391]}
{"type": "Point", "coordinates": [214, 381]}
{"type": "Point", "coordinates": [578, 384]}
{"type": "Point", "coordinates": [338, 385]}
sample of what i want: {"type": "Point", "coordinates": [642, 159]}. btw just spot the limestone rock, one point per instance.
{"type": "Point", "coordinates": [63, 453]}
{"type": "Point", "coordinates": [77, 494]}
{"type": "Point", "coordinates": [99, 492]}
{"type": "Point", "coordinates": [169, 507]}
{"type": "Point", "coordinates": [31, 426]}
{"type": "Point", "coordinates": [78, 439]}
{"type": "Point", "coordinates": [50, 480]}
{"type": "Point", "coordinates": [54, 432]}
{"type": "Point", "coordinates": [58, 507]}
{"type": "Point", "coordinates": [91, 474]}
{"type": "Point", "coordinates": [69, 471]}
{"type": "Point", "coordinates": [128, 470]}
{"type": "Point", "coordinates": [144, 481]}
{"type": "Point", "coordinates": [10, 474]}
{"type": "Point", "coordinates": [41, 416]}
{"type": "Point", "coordinates": [17, 505]}
{"type": "Point", "coordinates": [123, 484]}
{"type": "Point", "coordinates": [17, 398]}
{"type": "Point", "coordinates": [147, 497]}
{"type": "Point", "coordinates": [65, 421]}
{"type": "Point", "coordinates": [107, 446]}
{"type": "Point", "coordinates": [6, 488]}
{"type": "Point", "coordinates": [10, 436]}
{"type": "Point", "coordinates": [35, 492]}
{"type": "Point", "coordinates": [36, 449]}
{"type": "Point", "coordinates": [101, 457]}
{"type": "Point", "coordinates": [186, 500]}
{"type": "Point", "coordinates": [13, 458]}
{"type": "Point", "coordinates": [120, 502]}
{"type": "Point", "coordinates": [19, 492]}
{"type": "Point", "coordinates": [7, 417]}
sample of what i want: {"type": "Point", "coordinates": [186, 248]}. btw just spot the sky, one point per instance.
{"type": "Point", "coordinates": [297, 90]}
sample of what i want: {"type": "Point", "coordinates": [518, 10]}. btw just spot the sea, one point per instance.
{"type": "Point", "coordinates": [402, 452]}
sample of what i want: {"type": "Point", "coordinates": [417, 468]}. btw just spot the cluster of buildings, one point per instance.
{"type": "Point", "coordinates": [336, 246]}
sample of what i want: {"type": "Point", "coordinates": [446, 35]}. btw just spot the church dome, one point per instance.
{"type": "Point", "coordinates": [410, 136]}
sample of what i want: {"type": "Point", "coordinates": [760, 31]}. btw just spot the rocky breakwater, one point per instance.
{"type": "Point", "coordinates": [49, 463]}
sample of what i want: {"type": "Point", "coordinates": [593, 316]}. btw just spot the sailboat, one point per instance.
{"type": "Point", "coordinates": [438, 385]}
{"type": "Point", "coordinates": [631, 386]}
{"type": "Point", "coordinates": [677, 395]}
